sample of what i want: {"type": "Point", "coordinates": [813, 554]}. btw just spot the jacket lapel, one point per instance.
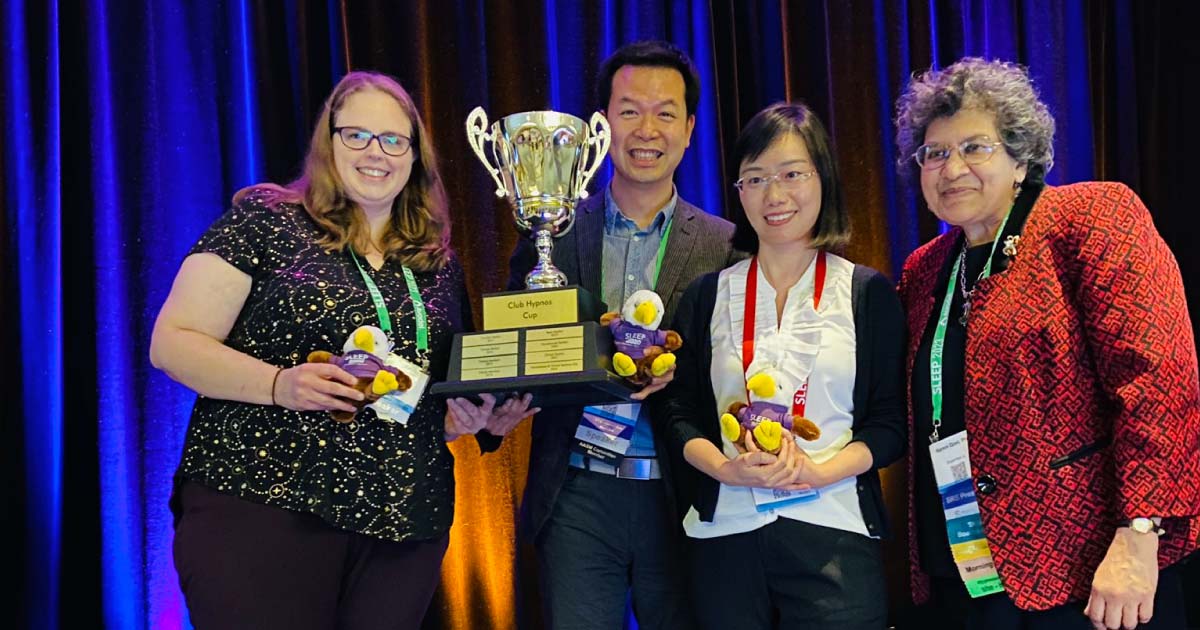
{"type": "Point", "coordinates": [925, 282]}
{"type": "Point", "coordinates": [1015, 226]}
{"type": "Point", "coordinates": [589, 242]}
{"type": "Point", "coordinates": [679, 247]}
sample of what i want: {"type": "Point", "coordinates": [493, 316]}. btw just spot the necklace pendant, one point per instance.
{"type": "Point", "coordinates": [966, 311]}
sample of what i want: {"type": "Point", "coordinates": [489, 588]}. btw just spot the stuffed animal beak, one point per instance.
{"type": "Point", "coordinates": [363, 340]}
{"type": "Point", "coordinates": [762, 385]}
{"type": "Point", "coordinates": [645, 313]}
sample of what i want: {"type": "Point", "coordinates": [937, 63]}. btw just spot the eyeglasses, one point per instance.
{"type": "Point", "coordinates": [785, 179]}
{"type": "Point", "coordinates": [357, 139]}
{"type": "Point", "coordinates": [934, 156]}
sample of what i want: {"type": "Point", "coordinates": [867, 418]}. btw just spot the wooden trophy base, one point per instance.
{"type": "Point", "coordinates": [545, 342]}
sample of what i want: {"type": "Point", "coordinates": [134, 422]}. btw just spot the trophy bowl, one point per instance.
{"type": "Point", "coordinates": [541, 162]}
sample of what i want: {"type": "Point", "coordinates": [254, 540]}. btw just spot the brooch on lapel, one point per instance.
{"type": "Point", "coordinates": [1010, 245]}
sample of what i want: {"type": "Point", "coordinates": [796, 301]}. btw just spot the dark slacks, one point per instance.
{"type": "Point", "coordinates": [608, 539]}
{"type": "Point", "coordinates": [246, 565]}
{"type": "Point", "coordinates": [788, 574]}
{"type": "Point", "coordinates": [952, 608]}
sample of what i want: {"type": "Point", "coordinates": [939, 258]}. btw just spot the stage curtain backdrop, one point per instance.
{"type": "Point", "coordinates": [128, 125]}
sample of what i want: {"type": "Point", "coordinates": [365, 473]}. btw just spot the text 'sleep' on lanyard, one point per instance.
{"type": "Point", "coordinates": [937, 348]}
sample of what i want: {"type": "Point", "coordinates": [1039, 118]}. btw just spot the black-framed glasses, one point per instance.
{"type": "Point", "coordinates": [357, 139]}
{"type": "Point", "coordinates": [786, 179]}
{"type": "Point", "coordinates": [973, 151]}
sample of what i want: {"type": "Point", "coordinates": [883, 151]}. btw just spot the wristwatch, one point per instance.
{"type": "Point", "coordinates": [1142, 525]}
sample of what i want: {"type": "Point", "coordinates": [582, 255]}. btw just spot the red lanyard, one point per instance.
{"type": "Point", "coordinates": [800, 400]}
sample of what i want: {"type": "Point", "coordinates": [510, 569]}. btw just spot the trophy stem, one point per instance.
{"type": "Point", "coordinates": [544, 274]}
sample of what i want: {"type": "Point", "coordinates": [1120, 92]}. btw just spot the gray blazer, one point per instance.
{"type": "Point", "coordinates": [699, 243]}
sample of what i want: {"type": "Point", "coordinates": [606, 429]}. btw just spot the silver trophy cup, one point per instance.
{"type": "Point", "coordinates": [542, 162]}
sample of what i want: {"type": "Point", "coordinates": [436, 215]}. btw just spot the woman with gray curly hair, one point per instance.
{"type": "Point", "coordinates": [1054, 416]}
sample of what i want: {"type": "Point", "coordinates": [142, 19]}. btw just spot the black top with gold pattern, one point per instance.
{"type": "Point", "coordinates": [377, 478]}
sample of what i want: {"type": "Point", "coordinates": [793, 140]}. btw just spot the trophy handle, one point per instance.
{"type": "Point", "coordinates": [477, 123]}
{"type": "Point", "coordinates": [599, 138]}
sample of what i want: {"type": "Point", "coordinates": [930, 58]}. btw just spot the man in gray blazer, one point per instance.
{"type": "Point", "coordinates": [603, 530]}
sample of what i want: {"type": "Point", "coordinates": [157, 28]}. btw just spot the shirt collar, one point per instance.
{"type": "Point", "coordinates": [615, 222]}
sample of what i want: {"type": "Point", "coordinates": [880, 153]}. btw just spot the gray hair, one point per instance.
{"type": "Point", "coordinates": [1001, 88]}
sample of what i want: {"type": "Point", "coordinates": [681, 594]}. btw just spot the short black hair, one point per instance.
{"type": "Point", "coordinates": [649, 54]}
{"type": "Point", "coordinates": [832, 229]}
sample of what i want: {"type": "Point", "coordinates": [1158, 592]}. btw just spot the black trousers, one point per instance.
{"type": "Point", "coordinates": [788, 574]}
{"type": "Point", "coordinates": [951, 608]}
{"type": "Point", "coordinates": [252, 566]}
{"type": "Point", "coordinates": [609, 541]}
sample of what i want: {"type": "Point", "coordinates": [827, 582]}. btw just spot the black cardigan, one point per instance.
{"type": "Point", "coordinates": [879, 405]}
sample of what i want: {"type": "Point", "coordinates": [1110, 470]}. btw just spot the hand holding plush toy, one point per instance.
{"type": "Point", "coordinates": [364, 356]}
{"type": "Point", "coordinates": [762, 420]}
{"type": "Point", "coordinates": [643, 351]}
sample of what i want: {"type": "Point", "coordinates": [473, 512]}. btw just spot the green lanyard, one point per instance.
{"type": "Point", "coordinates": [937, 348]}
{"type": "Point", "coordinates": [658, 258]}
{"type": "Point", "coordinates": [414, 294]}
{"type": "Point", "coordinates": [662, 249]}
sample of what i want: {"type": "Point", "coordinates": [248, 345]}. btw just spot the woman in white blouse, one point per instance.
{"type": "Point", "coordinates": [794, 536]}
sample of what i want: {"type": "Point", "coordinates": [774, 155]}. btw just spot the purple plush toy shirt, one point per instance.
{"type": "Point", "coordinates": [759, 411]}
{"type": "Point", "coordinates": [633, 339]}
{"type": "Point", "coordinates": [362, 364]}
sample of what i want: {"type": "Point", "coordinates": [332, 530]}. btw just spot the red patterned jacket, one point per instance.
{"type": "Point", "coordinates": [1081, 392]}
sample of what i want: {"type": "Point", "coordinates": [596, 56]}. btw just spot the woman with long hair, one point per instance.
{"type": "Point", "coordinates": [285, 515]}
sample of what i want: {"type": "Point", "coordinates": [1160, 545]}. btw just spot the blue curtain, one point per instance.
{"type": "Point", "coordinates": [127, 126]}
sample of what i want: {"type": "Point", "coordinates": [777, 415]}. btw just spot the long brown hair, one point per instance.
{"type": "Point", "coordinates": [418, 234]}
